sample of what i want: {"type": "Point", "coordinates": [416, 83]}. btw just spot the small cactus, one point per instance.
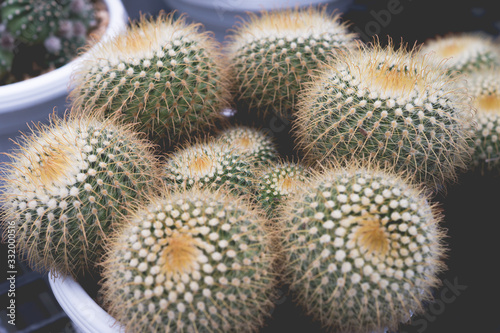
{"type": "Point", "coordinates": [278, 181]}
{"type": "Point", "coordinates": [464, 52]}
{"type": "Point", "coordinates": [210, 164]}
{"type": "Point", "coordinates": [362, 248]}
{"type": "Point", "coordinates": [164, 75]}
{"type": "Point", "coordinates": [389, 105]}
{"type": "Point", "coordinates": [67, 187]}
{"type": "Point", "coordinates": [250, 142]}
{"type": "Point", "coordinates": [275, 52]}
{"type": "Point", "coordinates": [484, 88]}
{"type": "Point", "coordinates": [191, 261]}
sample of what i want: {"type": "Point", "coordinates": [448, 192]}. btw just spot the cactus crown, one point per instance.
{"type": "Point", "coordinates": [193, 260]}
{"type": "Point", "coordinates": [164, 75]}
{"type": "Point", "coordinates": [484, 88]}
{"type": "Point", "coordinates": [276, 51]}
{"type": "Point", "coordinates": [389, 104]}
{"type": "Point", "coordinates": [66, 188]}
{"type": "Point", "coordinates": [465, 52]}
{"type": "Point", "coordinates": [363, 248]}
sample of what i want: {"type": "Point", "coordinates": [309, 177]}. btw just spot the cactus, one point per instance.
{"type": "Point", "coordinates": [6, 51]}
{"type": "Point", "coordinates": [68, 186]}
{"type": "Point", "coordinates": [363, 248]}
{"type": "Point", "coordinates": [484, 87]}
{"type": "Point", "coordinates": [464, 52]}
{"type": "Point", "coordinates": [250, 142]}
{"type": "Point", "coordinates": [390, 105]}
{"type": "Point", "coordinates": [191, 261]}
{"type": "Point", "coordinates": [164, 74]}
{"type": "Point", "coordinates": [277, 182]}
{"type": "Point", "coordinates": [210, 164]}
{"type": "Point", "coordinates": [275, 52]}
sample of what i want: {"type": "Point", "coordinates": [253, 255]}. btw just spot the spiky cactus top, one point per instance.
{"type": "Point", "coordinates": [484, 87]}
{"type": "Point", "coordinates": [277, 182]}
{"type": "Point", "coordinates": [163, 74]}
{"type": "Point", "coordinates": [250, 142]}
{"type": "Point", "coordinates": [464, 52]}
{"type": "Point", "coordinates": [362, 248]}
{"type": "Point", "coordinates": [390, 105]}
{"type": "Point", "coordinates": [274, 52]}
{"type": "Point", "coordinates": [193, 261]}
{"type": "Point", "coordinates": [210, 164]}
{"type": "Point", "coordinates": [67, 187]}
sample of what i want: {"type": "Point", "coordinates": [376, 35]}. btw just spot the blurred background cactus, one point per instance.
{"type": "Point", "coordinates": [36, 36]}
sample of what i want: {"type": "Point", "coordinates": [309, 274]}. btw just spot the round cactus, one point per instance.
{"type": "Point", "coordinates": [67, 186]}
{"type": "Point", "coordinates": [362, 247]}
{"type": "Point", "coordinates": [484, 87]}
{"type": "Point", "coordinates": [212, 165]}
{"type": "Point", "coordinates": [389, 105]}
{"type": "Point", "coordinates": [464, 52]}
{"type": "Point", "coordinates": [275, 52]}
{"type": "Point", "coordinates": [250, 142]}
{"type": "Point", "coordinates": [164, 75]}
{"type": "Point", "coordinates": [192, 261]}
{"type": "Point", "coordinates": [277, 182]}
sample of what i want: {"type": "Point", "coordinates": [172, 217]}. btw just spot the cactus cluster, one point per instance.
{"type": "Point", "coordinates": [68, 186]}
{"type": "Point", "coordinates": [49, 33]}
{"type": "Point", "coordinates": [275, 52]}
{"type": "Point", "coordinates": [210, 164]}
{"type": "Point", "coordinates": [192, 261]}
{"type": "Point", "coordinates": [484, 88]}
{"type": "Point", "coordinates": [278, 181]}
{"type": "Point", "coordinates": [363, 248]}
{"type": "Point", "coordinates": [250, 142]}
{"type": "Point", "coordinates": [389, 105]}
{"type": "Point", "coordinates": [464, 52]}
{"type": "Point", "coordinates": [162, 74]}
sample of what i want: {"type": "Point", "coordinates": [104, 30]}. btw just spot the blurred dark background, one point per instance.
{"type": "Point", "coordinates": [469, 298]}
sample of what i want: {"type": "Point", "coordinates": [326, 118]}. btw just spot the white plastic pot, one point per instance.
{"type": "Point", "coordinates": [85, 314]}
{"type": "Point", "coordinates": [33, 100]}
{"type": "Point", "coordinates": [220, 15]}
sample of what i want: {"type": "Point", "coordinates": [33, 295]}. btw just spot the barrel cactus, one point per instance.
{"type": "Point", "coordinates": [250, 142]}
{"type": "Point", "coordinates": [464, 52]}
{"type": "Point", "coordinates": [278, 181]}
{"type": "Point", "coordinates": [68, 186]}
{"type": "Point", "coordinates": [162, 74]}
{"type": "Point", "coordinates": [191, 261]}
{"type": "Point", "coordinates": [363, 248]}
{"type": "Point", "coordinates": [210, 164]}
{"type": "Point", "coordinates": [391, 106]}
{"type": "Point", "coordinates": [484, 87]}
{"type": "Point", "coordinates": [275, 52]}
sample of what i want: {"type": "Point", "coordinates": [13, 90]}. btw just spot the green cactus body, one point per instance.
{"type": "Point", "coordinates": [277, 182]}
{"type": "Point", "coordinates": [362, 249]}
{"type": "Point", "coordinates": [464, 52]}
{"type": "Point", "coordinates": [484, 87]}
{"type": "Point", "coordinates": [68, 186]}
{"type": "Point", "coordinates": [390, 106]}
{"type": "Point", "coordinates": [210, 165]}
{"type": "Point", "coordinates": [275, 52]}
{"type": "Point", "coordinates": [250, 142]}
{"type": "Point", "coordinates": [6, 58]}
{"type": "Point", "coordinates": [164, 75]}
{"type": "Point", "coordinates": [66, 50]}
{"type": "Point", "coordinates": [193, 261]}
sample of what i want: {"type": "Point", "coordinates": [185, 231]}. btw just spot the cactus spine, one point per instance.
{"type": "Point", "coordinates": [363, 248]}
{"type": "Point", "coordinates": [484, 87]}
{"type": "Point", "coordinates": [275, 52]}
{"type": "Point", "coordinates": [191, 261]}
{"type": "Point", "coordinates": [464, 52]}
{"type": "Point", "coordinates": [162, 74]}
{"type": "Point", "coordinates": [390, 105]}
{"type": "Point", "coordinates": [67, 187]}
{"type": "Point", "coordinates": [250, 142]}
